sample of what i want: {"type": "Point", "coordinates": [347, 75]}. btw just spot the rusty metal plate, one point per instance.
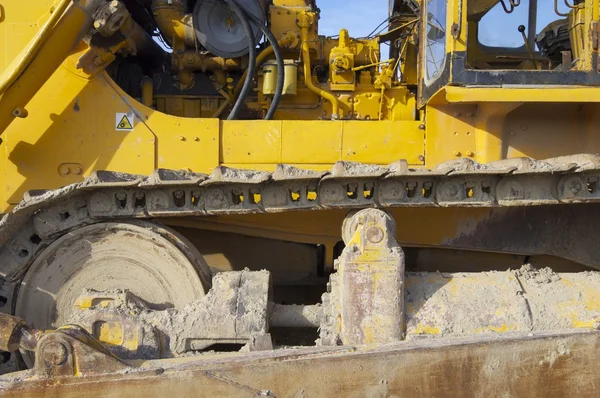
{"type": "Point", "coordinates": [556, 365]}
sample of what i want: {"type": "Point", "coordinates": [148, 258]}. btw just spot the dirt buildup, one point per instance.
{"type": "Point", "coordinates": [233, 311]}
{"type": "Point", "coordinates": [543, 275]}
{"type": "Point", "coordinates": [523, 300]}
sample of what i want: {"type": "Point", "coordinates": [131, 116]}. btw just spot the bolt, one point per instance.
{"type": "Point", "coordinates": [470, 154]}
{"type": "Point", "coordinates": [575, 187]}
{"type": "Point", "coordinates": [451, 190]}
{"type": "Point", "coordinates": [181, 138]}
{"type": "Point", "coordinates": [64, 170]}
{"type": "Point", "coordinates": [196, 139]}
{"type": "Point", "coordinates": [77, 170]}
{"type": "Point", "coordinates": [421, 127]}
{"type": "Point", "coordinates": [421, 158]}
{"type": "Point", "coordinates": [456, 114]}
{"type": "Point", "coordinates": [20, 112]}
{"type": "Point", "coordinates": [375, 234]}
{"type": "Point", "coordinates": [55, 353]}
{"type": "Point", "coordinates": [456, 153]}
{"type": "Point", "coordinates": [524, 127]}
{"type": "Point", "coordinates": [512, 133]}
{"type": "Point", "coordinates": [469, 114]}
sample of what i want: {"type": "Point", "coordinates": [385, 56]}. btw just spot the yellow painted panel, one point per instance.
{"type": "Point", "coordinates": [450, 134]}
{"type": "Point", "coordinates": [19, 22]}
{"type": "Point", "coordinates": [272, 166]}
{"type": "Point", "coordinates": [311, 142]}
{"type": "Point", "coordinates": [186, 143]}
{"type": "Point", "coordinates": [251, 141]}
{"type": "Point", "coordinates": [531, 94]}
{"type": "Point", "coordinates": [71, 120]}
{"type": "Point", "coordinates": [383, 142]}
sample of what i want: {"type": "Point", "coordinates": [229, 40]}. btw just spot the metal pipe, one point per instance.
{"type": "Point", "coordinates": [558, 12]}
{"type": "Point", "coordinates": [28, 53]}
{"type": "Point", "coordinates": [174, 22]}
{"type": "Point", "coordinates": [15, 334]}
{"type": "Point", "coordinates": [147, 91]}
{"type": "Point", "coordinates": [304, 26]}
{"type": "Point", "coordinates": [69, 30]}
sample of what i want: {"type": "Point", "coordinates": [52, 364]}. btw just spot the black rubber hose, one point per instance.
{"type": "Point", "coordinates": [241, 14]}
{"type": "Point", "coordinates": [280, 65]}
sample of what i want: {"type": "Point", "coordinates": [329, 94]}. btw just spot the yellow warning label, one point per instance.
{"type": "Point", "coordinates": [124, 123]}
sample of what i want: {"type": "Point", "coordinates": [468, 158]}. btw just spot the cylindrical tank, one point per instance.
{"type": "Point", "coordinates": [219, 30]}
{"type": "Point", "coordinates": [290, 82]}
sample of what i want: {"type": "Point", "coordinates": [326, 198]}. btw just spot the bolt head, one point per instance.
{"type": "Point", "coordinates": [55, 353]}
{"type": "Point", "coordinates": [575, 187]}
{"type": "Point", "coordinates": [452, 190]}
{"type": "Point", "coordinates": [64, 170]}
{"type": "Point", "coordinates": [375, 234]}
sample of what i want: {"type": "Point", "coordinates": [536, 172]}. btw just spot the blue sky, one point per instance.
{"type": "Point", "coordinates": [500, 29]}
{"type": "Point", "coordinates": [358, 16]}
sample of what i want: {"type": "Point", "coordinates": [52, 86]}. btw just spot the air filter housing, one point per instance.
{"type": "Point", "coordinates": [219, 29]}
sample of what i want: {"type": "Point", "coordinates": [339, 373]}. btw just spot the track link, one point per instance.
{"type": "Point", "coordinates": [43, 216]}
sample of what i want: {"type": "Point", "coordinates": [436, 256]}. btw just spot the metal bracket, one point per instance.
{"type": "Point", "coordinates": [71, 351]}
{"type": "Point", "coordinates": [368, 290]}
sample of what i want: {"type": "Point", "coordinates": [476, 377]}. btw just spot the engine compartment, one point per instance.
{"type": "Point", "coordinates": [193, 59]}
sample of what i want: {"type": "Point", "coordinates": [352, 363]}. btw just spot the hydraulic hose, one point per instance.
{"type": "Point", "coordinates": [241, 14]}
{"type": "Point", "coordinates": [280, 65]}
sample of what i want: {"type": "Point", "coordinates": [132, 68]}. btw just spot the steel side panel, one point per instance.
{"type": "Point", "coordinates": [300, 142]}
{"type": "Point", "coordinates": [558, 365]}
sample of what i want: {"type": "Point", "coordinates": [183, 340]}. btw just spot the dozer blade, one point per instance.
{"type": "Point", "coordinates": [541, 365]}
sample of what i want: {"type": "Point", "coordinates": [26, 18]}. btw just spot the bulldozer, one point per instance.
{"type": "Point", "coordinates": [209, 198]}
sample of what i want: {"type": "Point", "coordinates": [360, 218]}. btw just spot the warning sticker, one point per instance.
{"type": "Point", "coordinates": [124, 121]}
